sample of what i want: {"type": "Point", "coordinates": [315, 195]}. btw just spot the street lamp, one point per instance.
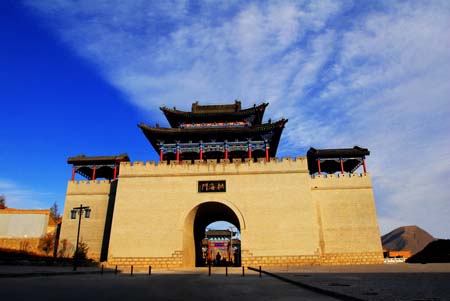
{"type": "Point", "coordinates": [73, 215]}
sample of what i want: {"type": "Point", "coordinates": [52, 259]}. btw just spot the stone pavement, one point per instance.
{"type": "Point", "coordinates": [371, 282]}
{"type": "Point", "coordinates": [170, 285]}
{"type": "Point", "coordinates": [376, 282]}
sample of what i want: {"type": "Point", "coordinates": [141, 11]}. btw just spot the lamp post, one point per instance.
{"type": "Point", "coordinates": [73, 215]}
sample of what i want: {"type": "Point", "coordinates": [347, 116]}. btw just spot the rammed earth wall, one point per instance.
{"type": "Point", "coordinates": [20, 244]}
{"type": "Point", "coordinates": [285, 216]}
{"type": "Point", "coordinates": [94, 194]}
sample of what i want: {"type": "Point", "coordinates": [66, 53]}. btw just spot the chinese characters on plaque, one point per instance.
{"type": "Point", "coordinates": [212, 186]}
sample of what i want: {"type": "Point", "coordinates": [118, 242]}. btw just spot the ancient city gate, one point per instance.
{"type": "Point", "coordinates": [218, 163]}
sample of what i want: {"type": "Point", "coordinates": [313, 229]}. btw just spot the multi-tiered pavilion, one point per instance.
{"type": "Point", "coordinates": [215, 132]}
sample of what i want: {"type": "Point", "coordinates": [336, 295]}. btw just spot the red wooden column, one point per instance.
{"type": "Point", "coordinates": [73, 173]}
{"type": "Point", "coordinates": [249, 150]}
{"type": "Point", "coordinates": [342, 165]}
{"type": "Point", "coordinates": [318, 167]}
{"type": "Point", "coordinates": [226, 150]}
{"type": "Point", "coordinates": [364, 165]}
{"type": "Point", "coordinates": [267, 153]}
{"type": "Point", "coordinates": [115, 172]}
{"type": "Point", "coordinates": [161, 154]}
{"type": "Point", "coordinates": [178, 153]}
{"type": "Point", "coordinates": [209, 251]}
{"type": "Point", "coordinates": [201, 151]}
{"type": "Point", "coordinates": [94, 170]}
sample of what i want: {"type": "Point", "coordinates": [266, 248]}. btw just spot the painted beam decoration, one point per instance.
{"type": "Point", "coordinates": [212, 186]}
{"type": "Point", "coordinates": [215, 132]}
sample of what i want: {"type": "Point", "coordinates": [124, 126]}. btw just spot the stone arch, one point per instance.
{"type": "Point", "coordinates": [201, 215]}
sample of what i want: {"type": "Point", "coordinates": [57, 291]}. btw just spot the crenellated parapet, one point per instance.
{"type": "Point", "coordinates": [88, 187]}
{"type": "Point", "coordinates": [213, 167]}
{"type": "Point", "coordinates": [341, 181]}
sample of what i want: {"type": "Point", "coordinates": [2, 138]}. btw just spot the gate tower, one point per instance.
{"type": "Point", "coordinates": [215, 132]}
{"type": "Point", "coordinates": [218, 162]}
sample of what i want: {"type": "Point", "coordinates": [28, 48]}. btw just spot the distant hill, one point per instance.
{"type": "Point", "coordinates": [411, 238]}
{"type": "Point", "coordinates": [435, 251]}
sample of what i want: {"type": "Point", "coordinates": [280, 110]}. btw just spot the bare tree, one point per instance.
{"type": "Point", "coordinates": [54, 211]}
{"type": "Point", "coordinates": [82, 251]}
{"type": "Point", "coordinates": [2, 202]}
{"type": "Point", "coordinates": [65, 248]}
{"type": "Point", "coordinates": [47, 242]}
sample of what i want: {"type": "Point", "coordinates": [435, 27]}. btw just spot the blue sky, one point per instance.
{"type": "Point", "coordinates": [77, 76]}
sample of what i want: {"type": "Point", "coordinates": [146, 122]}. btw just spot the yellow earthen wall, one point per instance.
{"type": "Point", "coordinates": [346, 213]}
{"type": "Point", "coordinates": [286, 217]}
{"type": "Point", "coordinates": [282, 212]}
{"type": "Point", "coordinates": [20, 244]}
{"type": "Point", "coordinates": [94, 194]}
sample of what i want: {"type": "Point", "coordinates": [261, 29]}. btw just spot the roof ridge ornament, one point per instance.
{"type": "Point", "coordinates": [218, 122]}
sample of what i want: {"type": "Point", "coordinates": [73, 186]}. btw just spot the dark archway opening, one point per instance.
{"type": "Point", "coordinates": [206, 214]}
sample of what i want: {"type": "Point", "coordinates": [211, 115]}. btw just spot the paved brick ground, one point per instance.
{"type": "Point", "coordinates": [375, 282]}
{"type": "Point", "coordinates": [378, 282]}
{"type": "Point", "coordinates": [161, 286]}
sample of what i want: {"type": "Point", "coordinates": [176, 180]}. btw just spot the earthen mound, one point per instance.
{"type": "Point", "coordinates": [410, 238]}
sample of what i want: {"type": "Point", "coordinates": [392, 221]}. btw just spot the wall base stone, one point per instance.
{"type": "Point", "coordinates": [174, 261]}
{"type": "Point", "coordinates": [310, 260]}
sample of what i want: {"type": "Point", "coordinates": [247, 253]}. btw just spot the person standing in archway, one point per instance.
{"type": "Point", "coordinates": [218, 259]}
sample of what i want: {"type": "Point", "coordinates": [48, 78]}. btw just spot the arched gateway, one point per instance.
{"type": "Point", "coordinates": [196, 222]}
{"type": "Point", "coordinates": [218, 163]}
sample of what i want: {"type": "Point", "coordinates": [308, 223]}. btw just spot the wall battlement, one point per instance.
{"type": "Point", "coordinates": [91, 182]}
{"type": "Point", "coordinates": [88, 187]}
{"type": "Point", "coordinates": [341, 181]}
{"type": "Point", "coordinates": [198, 167]}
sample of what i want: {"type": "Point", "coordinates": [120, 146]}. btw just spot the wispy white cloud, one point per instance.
{"type": "Point", "coordinates": [395, 68]}
{"type": "Point", "coordinates": [18, 196]}
{"type": "Point", "coordinates": [342, 73]}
